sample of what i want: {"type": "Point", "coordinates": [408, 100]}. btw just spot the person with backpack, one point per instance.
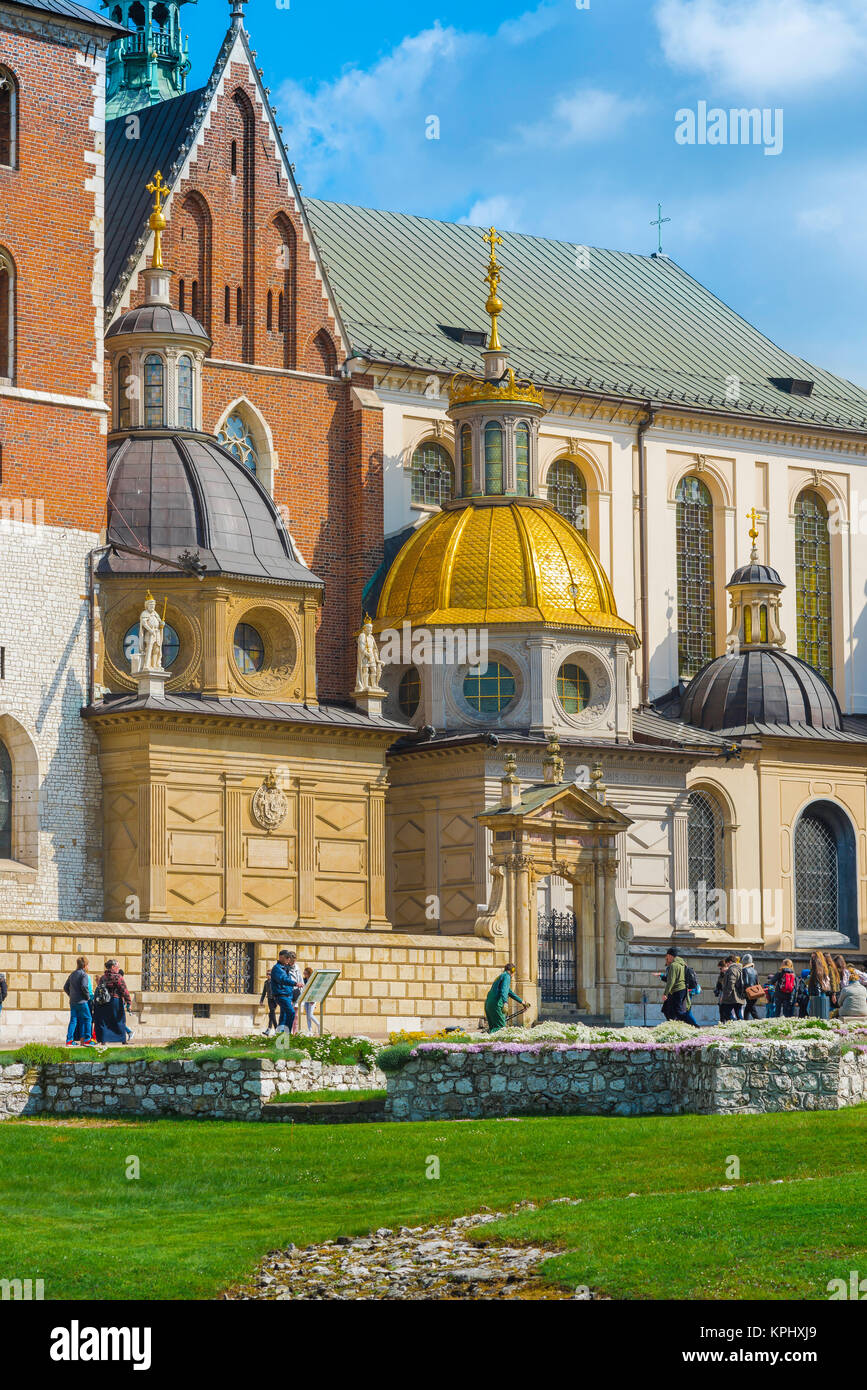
{"type": "Point", "coordinates": [267, 997]}
{"type": "Point", "coordinates": [110, 1001]}
{"type": "Point", "coordinates": [802, 994]}
{"type": "Point", "coordinates": [4, 990]}
{"type": "Point", "coordinates": [675, 999]}
{"type": "Point", "coordinates": [77, 988]}
{"type": "Point", "coordinates": [784, 989]}
{"type": "Point", "coordinates": [753, 990]}
{"type": "Point", "coordinates": [733, 999]}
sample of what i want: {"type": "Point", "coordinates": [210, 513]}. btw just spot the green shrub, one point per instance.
{"type": "Point", "coordinates": [394, 1058]}
{"type": "Point", "coordinates": [335, 1051]}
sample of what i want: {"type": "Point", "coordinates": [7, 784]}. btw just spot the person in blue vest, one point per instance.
{"type": "Point", "coordinates": [285, 980]}
{"type": "Point", "coordinates": [498, 996]}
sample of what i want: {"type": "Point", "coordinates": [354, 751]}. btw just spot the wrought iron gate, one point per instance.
{"type": "Point", "coordinates": [557, 957]}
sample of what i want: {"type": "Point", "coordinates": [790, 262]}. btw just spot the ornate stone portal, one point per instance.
{"type": "Point", "coordinates": [572, 833]}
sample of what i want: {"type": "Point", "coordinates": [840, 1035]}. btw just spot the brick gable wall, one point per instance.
{"type": "Point", "coordinates": [238, 236]}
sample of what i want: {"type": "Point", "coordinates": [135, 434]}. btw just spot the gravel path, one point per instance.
{"type": "Point", "coordinates": [413, 1262]}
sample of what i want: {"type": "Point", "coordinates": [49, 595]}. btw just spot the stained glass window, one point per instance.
{"type": "Point", "coordinates": [491, 690]}
{"type": "Point", "coordinates": [5, 803]}
{"type": "Point", "coordinates": [704, 849]}
{"type": "Point", "coordinates": [409, 692]}
{"type": "Point", "coordinates": [8, 116]}
{"type": "Point", "coordinates": [236, 437]}
{"type": "Point", "coordinates": [816, 875]}
{"type": "Point", "coordinates": [567, 492]}
{"type": "Point", "coordinates": [124, 403]}
{"type": "Point", "coordinates": [154, 385]}
{"type": "Point", "coordinates": [493, 459]}
{"type": "Point", "coordinates": [466, 461]}
{"type": "Point", "coordinates": [433, 476]}
{"type": "Point", "coordinates": [185, 393]}
{"type": "Point", "coordinates": [522, 460]}
{"type": "Point", "coordinates": [249, 649]}
{"type": "Point", "coordinates": [813, 582]}
{"type": "Point", "coordinates": [573, 687]}
{"type": "Point", "coordinates": [695, 582]}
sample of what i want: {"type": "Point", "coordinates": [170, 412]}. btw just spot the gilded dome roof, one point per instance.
{"type": "Point", "coordinates": [494, 561]}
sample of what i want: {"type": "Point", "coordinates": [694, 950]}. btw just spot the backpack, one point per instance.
{"type": "Point", "coordinates": [692, 983]}
{"type": "Point", "coordinates": [102, 994]}
{"type": "Point", "coordinates": [787, 984]}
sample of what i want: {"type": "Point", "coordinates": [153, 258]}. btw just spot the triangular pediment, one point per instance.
{"type": "Point", "coordinates": [564, 802]}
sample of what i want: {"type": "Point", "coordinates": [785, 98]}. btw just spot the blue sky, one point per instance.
{"type": "Point", "coordinates": [561, 121]}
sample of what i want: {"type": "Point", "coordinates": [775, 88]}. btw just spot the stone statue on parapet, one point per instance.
{"type": "Point", "coordinates": [150, 639]}
{"type": "Point", "coordinates": [369, 666]}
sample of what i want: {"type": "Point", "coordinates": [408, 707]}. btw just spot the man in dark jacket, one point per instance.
{"type": "Point", "coordinates": [283, 985]}
{"type": "Point", "coordinates": [77, 987]}
{"type": "Point", "coordinates": [733, 998]}
{"type": "Point", "coordinates": [4, 990]}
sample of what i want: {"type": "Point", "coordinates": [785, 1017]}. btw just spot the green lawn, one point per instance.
{"type": "Point", "coordinates": [213, 1197]}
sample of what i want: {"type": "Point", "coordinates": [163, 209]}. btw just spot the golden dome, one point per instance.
{"type": "Point", "coordinates": [504, 561]}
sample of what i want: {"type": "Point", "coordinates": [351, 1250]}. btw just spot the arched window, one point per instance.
{"type": "Point", "coordinates": [5, 803]}
{"type": "Point", "coordinates": [813, 582]}
{"type": "Point", "coordinates": [154, 392]}
{"type": "Point", "coordinates": [182, 296]}
{"type": "Point", "coordinates": [239, 305]}
{"type": "Point", "coordinates": [567, 492]}
{"type": "Point", "coordinates": [466, 461]}
{"type": "Point", "coordinates": [696, 622]}
{"type": "Point", "coordinates": [493, 458]}
{"type": "Point", "coordinates": [763, 623]}
{"type": "Point", "coordinates": [8, 119]}
{"type": "Point", "coordinates": [7, 316]}
{"type": "Point", "coordinates": [321, 356]}
{"type": "Point", "coordinates": [748, 624]}
{"type": "Point", "coordinates": [433, 475]}
{"type": "Point", "coordinates": [124, 401]}
{"type": "Point", "coordinates": [227, 305]}
{"type": "Point", "coordinates": [270, 312]}
{"type": "Point", "coordinates": [409, 692]}
{"type": "Point", "coordinates": [573, 687]}
{"type": "Point", "coordinates": [185, 393]}
{"type": "Point", "coordinates": [284, 286]}
{"type": "Point", "coordinates": [522, 460]}
{"type": "Point", "coordinates": [236, 437]}
{"type": "Point", "coordinates": [825, 873]}
{"type": "Point", "coordinates": [704, 850]}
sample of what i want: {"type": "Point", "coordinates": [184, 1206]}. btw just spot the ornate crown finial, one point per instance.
{"type": "Point", "coordinates": [157, 221]}
{"type": "Point", "coordinates": [494, 305]}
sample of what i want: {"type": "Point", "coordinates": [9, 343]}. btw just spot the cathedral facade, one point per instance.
{"type": "Point", "coordinates": [608, 536]}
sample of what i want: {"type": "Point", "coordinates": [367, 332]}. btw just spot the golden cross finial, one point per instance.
{"type": "Point", "coordinates": [494, 305]}
{"type": "Point", "coordinates": [157, 221]}
{"type": "Point", "coordinates": [753, 516]}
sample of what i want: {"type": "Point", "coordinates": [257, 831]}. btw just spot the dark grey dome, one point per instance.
{"type": "Point", "coordinates": [157, 318]}
{"type": "Point", "coordinates": [172, 494]}
{"type": "Point", "coordinates": [760, 686]}
{"type": "Point", "coordinates": [754, 573]}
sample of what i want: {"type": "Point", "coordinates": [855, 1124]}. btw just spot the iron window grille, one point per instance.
{"type": "Point", "coordinates": [813, 582]}
{"type": "Point", "coordinates": [197, 967]}
{"type": "Point", "coordinates": [816, 875]}
{"type": "Point", "coordinates": [433, 476]}
{"type": "Point", "coordinates": [695, 579]}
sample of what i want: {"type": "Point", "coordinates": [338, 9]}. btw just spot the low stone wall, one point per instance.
{"type": "Point", "coordinates": [485, 1082]}
{"type": "Point", "coordinates": [234, 1089]}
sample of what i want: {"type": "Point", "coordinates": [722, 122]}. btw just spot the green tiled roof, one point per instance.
{"type": "Point", "coordinates": [627, 325]}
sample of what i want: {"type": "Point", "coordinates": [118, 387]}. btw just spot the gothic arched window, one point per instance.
{"type": "Point", "coordinates": [5, 803]}
{"type": "Point", "coordinates": [466, 461]}
{"type": "Point", "coordinates": [185, 393]}
{"type": "Point", "coordinates": [567, 492]}
{"type": "Point", "coordinates": [124, 401]}
{"type": "Point", "coordinates": [433, 475]}
{"type": "Point", "coordinates": [493, 458]}
{"type": "Point", "coordinates": [235, 436]}
{"type": "Point", "coordinates": [154, 392]}
{"type": "Point", "coordinates": [522, 460]}
{"type": "Point", "coordinates": [7, 316]}
{"type": "Point", "coordinates": [8, 119]}
{"type": "Point", "coordinates": [704, 850]}
{"type": "Point", "coordinates": [813, 582]}
{"type": "Point", "coordinates": [696, 623]}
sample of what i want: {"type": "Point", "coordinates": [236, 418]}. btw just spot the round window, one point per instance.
{"type": "Point", "coordinates": [171, 644]}
{"type": "Point", "coordinates": [573, 687]}
{"type": "Point", "coordinates": [490, 691]}
{"type": "Point", "coordinates": [249, 649]}
{"type": "Point", "coordinates": [409, 692]}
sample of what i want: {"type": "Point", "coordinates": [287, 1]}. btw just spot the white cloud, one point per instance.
{"type": "Point", "coordinates": [345, 116]}
{"type": "Point", "coordinates": [497, 211]}
{"type": "Point", "coordinates": [820, 219]}
{"type": "Point", "coordinates": [588, 115]}
{"type": "Point", "coordinates": [529, 25]}
{"type": "Point", "coordinates": [764, 45]}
